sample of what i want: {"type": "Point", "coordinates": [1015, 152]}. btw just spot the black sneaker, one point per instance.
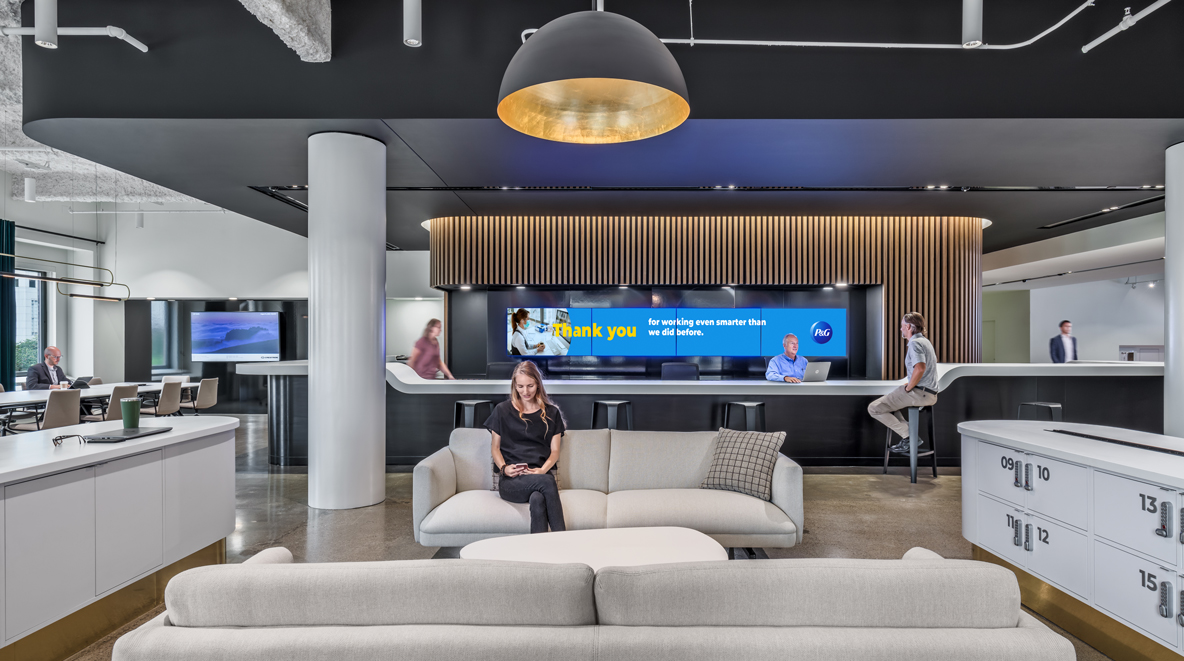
{"type": "Point", "coordinates": [903, 446]}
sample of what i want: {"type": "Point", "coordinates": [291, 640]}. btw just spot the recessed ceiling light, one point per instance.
{"type": "Point", "coordinates": [732, 186]}
{"type": "Point", "coordinates": [152, 298]}
{"type": "Point", "coordinates": [623, 287]}
{"type": "Point", "coordinates": [1105, 210]}
{"type": "Point", "coordinates": [1159, 186]}
{"type": "Point", "coordinates": [943, 187]}
{"type": "Point", "coordinates": [419, 298]}
{"type": "Point", "coordinates": [930, 187]}
{"type": "Point", "coordinates": [233, 298]}
{"type": "Point", "coordinates": [521, 287]}
{"type": "Point", "coordinates": [840, 284]}
{"type": "Point", "coordinates": [465, 287]}
{"type": "Point", "coordinates": [1113, 208]}
{"type": "Point", "coordinates": [826, 288]}
{"type": "Point", "coordinates": [1150, 284]}
{"type": "Point", "coordinates": [172, 300]}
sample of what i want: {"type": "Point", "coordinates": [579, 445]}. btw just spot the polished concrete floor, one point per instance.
{"type": "Point", "coordinates": [850, 513]}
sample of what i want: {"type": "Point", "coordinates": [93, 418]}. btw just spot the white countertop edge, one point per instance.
{"type": "Point", "coordinates": [1139, 464]}
{"type": "Point", "coordinates": [402, 378]}
{"type": "Point", "coordinates": [31, 455]}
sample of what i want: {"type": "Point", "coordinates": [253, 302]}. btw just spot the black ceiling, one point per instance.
{"type": "Point", "coordinates": [219, 104]}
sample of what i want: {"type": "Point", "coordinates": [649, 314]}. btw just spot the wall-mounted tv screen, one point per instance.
{"type": "Point", "coordinates": [674, 331]}
{"type": "Point", "coordinates": [230, 337]}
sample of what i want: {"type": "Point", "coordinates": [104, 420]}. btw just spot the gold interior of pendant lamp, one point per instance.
{"type": "Point", "coordinates": [593, 110]}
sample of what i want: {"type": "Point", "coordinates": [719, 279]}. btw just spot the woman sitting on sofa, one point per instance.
{"type": "Point", "coordinates": [526, 432]}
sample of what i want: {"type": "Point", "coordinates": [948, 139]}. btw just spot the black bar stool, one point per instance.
{"type": "Point", "coordinates": [610, 410]}
{"type": "Point", "coordinates": [917, 411]}
{"type": "Point", "coordinates": [1053, 409]}
{"type": "Point", "coordinates": [469, 409]}
{"type": "Point", "coordinates": [754, 415]}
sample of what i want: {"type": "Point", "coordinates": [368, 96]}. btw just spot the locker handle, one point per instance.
{"type": "Point", "coordinates": [1027, 477]}
{"type": "Point", "coordinates": [1018, 527]}
{"type": "Point", "coordinates": [1182, 532]}
{"type": "Point", "coordinates": [1180, 616]}
{"type": "Point", "coordinates": [1019, 467]}
{"type": "Point", "coordinates": [1165, 599]}
{"type": "Point", "coordinates": [1027, 537]}
{"type": "Point", "coordinates": [1165, 519]}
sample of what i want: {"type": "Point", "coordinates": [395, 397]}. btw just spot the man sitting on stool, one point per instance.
{"type": "Point", "coordinates": [920, 363]}
{"type": "Point", "coordinates": [789, 366]}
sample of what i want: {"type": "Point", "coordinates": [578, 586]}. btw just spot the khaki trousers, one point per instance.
{"type": "Point", "coordinates": [887, 409]}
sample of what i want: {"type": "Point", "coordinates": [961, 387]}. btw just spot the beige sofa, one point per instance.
{"type": "Point", "coordinates": [917, 609]}
{"type": "Point", "coordinates": [607, 479]}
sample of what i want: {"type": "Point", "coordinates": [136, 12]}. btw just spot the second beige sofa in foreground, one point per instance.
{"type": "Point", "coordinates": [607, 479]}
{"type": "Point", "coordinates": [921, 608]}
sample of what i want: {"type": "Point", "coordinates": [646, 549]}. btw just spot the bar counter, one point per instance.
{"type": "Point", "coordinates": [826, 423]}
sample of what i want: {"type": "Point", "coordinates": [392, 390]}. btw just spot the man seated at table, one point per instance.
{"type": "Point", "coordinates": [788, 366]}
{"type": "Point", "coordinates": [46, 375]}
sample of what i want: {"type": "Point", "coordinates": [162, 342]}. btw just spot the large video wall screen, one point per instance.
{"type": "Point", "coordinates": [678, 331]}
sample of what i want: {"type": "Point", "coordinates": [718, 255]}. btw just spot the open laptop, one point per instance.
{"type": "Point", "coordinates": [119, 435]}
{"type": "Point", "coordinates": [81, 382]}
{"type": "Point", "coordinates": [816, 372]}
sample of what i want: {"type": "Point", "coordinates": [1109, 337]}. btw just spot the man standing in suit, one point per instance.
{"type": "Point", "coordinates": [46, 375]}
{"type": "Point", "coordinates": [1063, 347]}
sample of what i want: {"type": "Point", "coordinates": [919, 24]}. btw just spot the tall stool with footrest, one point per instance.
{"type": "Point", "coordinates": [915, 440]}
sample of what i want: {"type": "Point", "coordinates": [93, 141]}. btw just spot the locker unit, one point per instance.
{"type": "Point", "coordinates": [1065, 509]}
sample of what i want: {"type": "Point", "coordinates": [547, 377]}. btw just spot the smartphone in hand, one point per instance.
{"type": "Point", "coordinates": [521, 467]}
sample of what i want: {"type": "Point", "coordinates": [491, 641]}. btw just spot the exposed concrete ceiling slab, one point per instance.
{"type": "Point", "coordinates": [306, 26]}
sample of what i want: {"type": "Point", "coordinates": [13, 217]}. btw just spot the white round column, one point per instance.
{"type": "Point", "coordinates": [1173, 280]}
{"type": "Point", "coordinates": [347, 321]}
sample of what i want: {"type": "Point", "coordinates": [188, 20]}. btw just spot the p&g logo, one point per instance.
{"type": "Point", "coordinates": [821, 332]}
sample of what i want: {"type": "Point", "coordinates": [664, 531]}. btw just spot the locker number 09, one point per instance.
{"type": "Point", "coordinates": [1042, 472]}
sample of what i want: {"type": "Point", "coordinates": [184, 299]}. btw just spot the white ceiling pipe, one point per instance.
{"type": "Point", "coordinates": [855, 44]}
{"type": "Point", "coordinates": [109, 31]}
{"type": "Point", "coordinates": [2, 148]}
{"type": "Point", "coordinates": [45, 20]}
{"type": "Point", "coordinates": [413, 23]}
{"type": "Point", "coordinates": [1126, 22]}
{"type": "Point", "coordinates": [30, 189]}
{"type": "Point", "coordinates": [972, 23]}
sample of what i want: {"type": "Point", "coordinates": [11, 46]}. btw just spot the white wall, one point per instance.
{"type": "Point", "coordinates": [405, 321]}
{"type": "Point", "coordinates": [1105, 315]}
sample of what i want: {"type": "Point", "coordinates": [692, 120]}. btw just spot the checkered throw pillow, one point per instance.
{"type": "Point", "coordinates": [743, 462]}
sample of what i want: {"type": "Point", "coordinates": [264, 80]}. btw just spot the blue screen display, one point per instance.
{"type": "Point", "coordinates": [736, 332]}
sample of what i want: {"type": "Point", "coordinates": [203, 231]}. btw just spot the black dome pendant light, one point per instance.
{"type": "Point", "coordinates": [593, 77]}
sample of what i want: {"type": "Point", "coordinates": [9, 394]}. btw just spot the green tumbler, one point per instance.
{"type": "Point", "coordinates": [131, 412]}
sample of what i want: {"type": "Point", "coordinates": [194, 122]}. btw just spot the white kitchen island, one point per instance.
{"type": "Point", "coordinates": [1092, 527]}
{"type": "Point", "coordinates": [80, 522]}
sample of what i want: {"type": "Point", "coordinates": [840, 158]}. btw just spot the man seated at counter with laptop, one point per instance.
{"type": "Point", "coordinates": [792, 368]}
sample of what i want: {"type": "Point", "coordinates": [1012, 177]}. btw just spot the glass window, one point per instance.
{"type": "Point", "coordinates": [162, 335]}
{"type": "Point", "coordinates": [30, 322]}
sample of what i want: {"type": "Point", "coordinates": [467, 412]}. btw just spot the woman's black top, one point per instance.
{"type": "Point", "coordinates": [525, 439]}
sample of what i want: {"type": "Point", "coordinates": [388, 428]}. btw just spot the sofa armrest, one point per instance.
{"type": "Point", "coordinates": [787, 491]}
{"type": "Point", "coordinates": [432, 483]}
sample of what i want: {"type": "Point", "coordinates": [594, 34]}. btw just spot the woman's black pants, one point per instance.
{"type": "Point", "coordinates": [543, 495]}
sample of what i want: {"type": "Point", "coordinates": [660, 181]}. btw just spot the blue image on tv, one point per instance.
{"type": "Point", "coordinates": [820, 331]}
{"type": "Point", "coordinates": [234, 336]}
{"type": "Point", "coordinates": [646, 331]}
{"type": "Point", "coordinates": [719, 331]}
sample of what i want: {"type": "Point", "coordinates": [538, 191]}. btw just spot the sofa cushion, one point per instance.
{"type": "Point", "coordinates": [743, 462]}
{"type": "Point", "coordinates": [658, 460]}
{"type": "Point", "coordinates": [811, 592]}
{"type": "Point", "coordinates": [472, 456]}
{"type": "Point", "coordinates": [478, 511]}
{"type": "Point", "coordinates": [583, 459]}
{"type": "Point", "coordinates": [584, 509]}
{"type": "Point", "coordinates": [484, 512]}
{"type": "Point", "coordinates": [381, 593]}
{"type": "Point", "coordinates": [706, 510]}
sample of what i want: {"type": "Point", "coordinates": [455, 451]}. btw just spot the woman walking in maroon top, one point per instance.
{"type": "Point", "coordinates": [425, 357]}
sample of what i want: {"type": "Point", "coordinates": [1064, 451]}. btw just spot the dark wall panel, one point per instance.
{"type": "Point", "coordinates": [137, 334]}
